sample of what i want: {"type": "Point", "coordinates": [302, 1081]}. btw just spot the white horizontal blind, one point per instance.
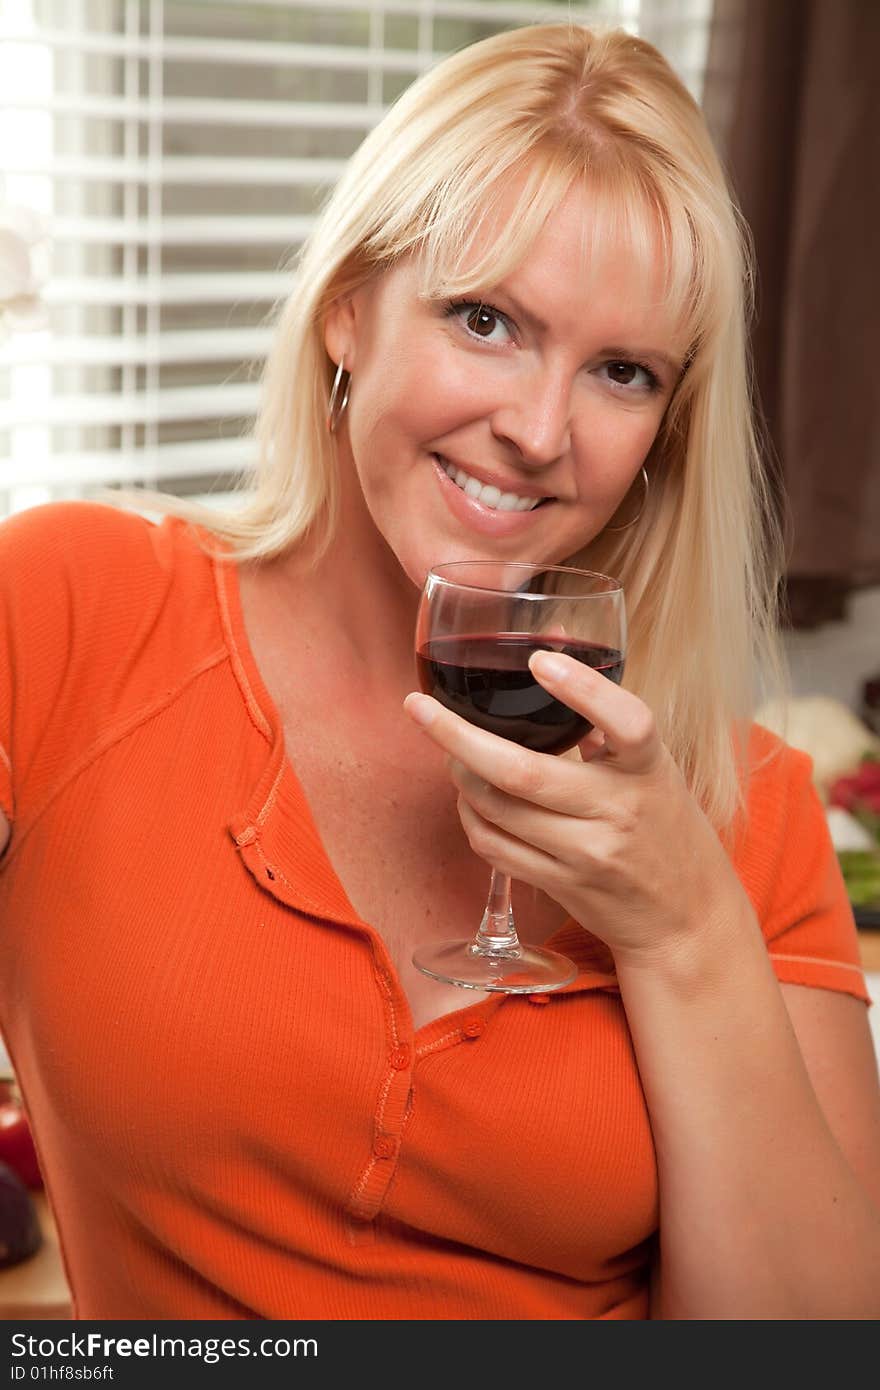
{"type": "Point", "coordinates": [179, 152]}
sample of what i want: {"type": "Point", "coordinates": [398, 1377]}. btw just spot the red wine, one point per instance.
{"type": "Point", "coordinates": [485, 678]}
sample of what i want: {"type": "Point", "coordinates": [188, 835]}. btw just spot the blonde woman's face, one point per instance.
{"type": "Point", "coordinates": [511, 425]}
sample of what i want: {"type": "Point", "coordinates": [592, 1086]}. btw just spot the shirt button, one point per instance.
{"type": "Point", "coordinates": [384, 1146]}
{"type": "Point", "coordinates": [538, 998]}
{"type": "Point", "coordinates": [474, 1029]}
{"type": "Point", "coordinates": [400, 1058]}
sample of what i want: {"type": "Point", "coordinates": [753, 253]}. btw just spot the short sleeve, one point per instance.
{"type": "Point", "coordinates": [808, 923]}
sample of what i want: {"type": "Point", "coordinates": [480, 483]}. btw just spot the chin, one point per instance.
{"type": "Point", "coordinates": [416, 560]}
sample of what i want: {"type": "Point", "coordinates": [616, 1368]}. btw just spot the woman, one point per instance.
{"type": "Point", "coordinates": [227, 837]}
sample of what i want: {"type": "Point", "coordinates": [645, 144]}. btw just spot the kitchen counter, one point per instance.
{"type": "Point", "coordinates": [36, 1288]}
{"type": "Point", "coordinates": [869, 944]}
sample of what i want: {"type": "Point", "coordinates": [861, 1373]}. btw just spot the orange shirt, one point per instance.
{"type": "Point", "coordinates": [234, 1114]}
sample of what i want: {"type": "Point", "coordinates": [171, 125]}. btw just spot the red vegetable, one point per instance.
{"type": "Point", "coordinates": [858, 792]}
{"type": "Point", "coordinates": [16, 1144]}
{"type": "Point", "coordinates": [868, 775]}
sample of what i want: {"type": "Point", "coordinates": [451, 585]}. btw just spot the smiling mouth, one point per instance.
{"type": "Point", "coordinates": [487, 494]}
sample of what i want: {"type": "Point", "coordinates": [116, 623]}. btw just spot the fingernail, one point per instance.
{"type": "Point", "coordinates": [420, 709]}
{"type": "Point", "coordinates": [547, 666]}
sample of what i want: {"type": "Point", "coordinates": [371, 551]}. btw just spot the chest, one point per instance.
{"type": "Point", "coordinates": [382, 802]}
{"type": "Point", "coordinates": [395, 841]}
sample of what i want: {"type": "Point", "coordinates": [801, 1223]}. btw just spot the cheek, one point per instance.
{"type": "Point", "coordinates": [413, 397]}
{"type": "Point", "coordinates": [613, 443]}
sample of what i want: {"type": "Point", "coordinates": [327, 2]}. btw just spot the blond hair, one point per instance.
{"type": "Point", "coordinates": [558, 102]}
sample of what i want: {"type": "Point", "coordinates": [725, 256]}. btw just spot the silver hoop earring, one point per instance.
{"type": "Point", "coordinates": [628, 524]}
{"type": "Point", "coordinates": [335, 411]}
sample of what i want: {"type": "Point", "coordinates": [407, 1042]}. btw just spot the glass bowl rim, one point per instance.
{"type": "Point", "coordinates": [614, 586]}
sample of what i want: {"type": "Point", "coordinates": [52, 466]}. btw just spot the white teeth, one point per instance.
{"type": "Point", "coordinates": [486, 493]}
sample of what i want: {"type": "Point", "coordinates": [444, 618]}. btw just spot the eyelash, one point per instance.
{"type": "Point", "coordinates": [653, 383]}
{"type": "Point", "coordinates": [477, 304]}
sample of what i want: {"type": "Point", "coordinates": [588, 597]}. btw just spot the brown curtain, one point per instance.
{"type": "Point", "coordinates": [792, 94]}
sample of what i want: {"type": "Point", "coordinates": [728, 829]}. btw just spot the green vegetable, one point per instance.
{"type": "Point", "coordinates": [861, 874]}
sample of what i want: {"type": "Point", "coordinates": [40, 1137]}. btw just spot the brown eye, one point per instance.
{"type": "Point", "coordinates": [482, 321]}
{"type": "Point", "coordinates": [622, 372]}
{"type": "Point", "coordinates": [631, 376]}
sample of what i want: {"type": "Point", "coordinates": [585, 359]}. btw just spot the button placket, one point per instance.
{"type": "Point", "coordinates": [392, 1106]}
{"type": "Point", "coordinates": [384, 1146]}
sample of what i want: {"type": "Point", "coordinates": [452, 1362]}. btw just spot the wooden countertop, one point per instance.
{"type": "Point", "coordinates": [36, 1288]}
{"type": "Point", "coordinates": [869, 945]}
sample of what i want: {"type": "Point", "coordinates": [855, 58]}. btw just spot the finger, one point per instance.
{"type": "Point", "coordinates": [593, 743]}
{"type": "Point", "coordinates": [631, 736]}
{"type": "Point", "coordinates": [553, 833]}
{"type": "Point", "coordinates": [506, 852]}
{"type": "Point", "coordinates": [555, 783]}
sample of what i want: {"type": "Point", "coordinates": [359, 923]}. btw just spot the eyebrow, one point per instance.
{"type": "Point", "coordinates": [537, 324]}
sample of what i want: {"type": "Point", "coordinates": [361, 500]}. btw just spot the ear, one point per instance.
{"type": "Point", "coordinates": [339, 331]}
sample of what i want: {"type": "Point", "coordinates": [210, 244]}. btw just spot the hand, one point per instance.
{"type": "Point", "coordinates": [616, 838]}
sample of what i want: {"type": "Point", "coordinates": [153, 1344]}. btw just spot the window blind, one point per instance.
{"type": "Point", "coordinates": [178, 153]}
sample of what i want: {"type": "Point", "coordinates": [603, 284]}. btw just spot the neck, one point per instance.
{"type": "Point", "coordinates": [354, 597]}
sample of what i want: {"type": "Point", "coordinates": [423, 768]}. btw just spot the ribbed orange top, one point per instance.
{"type": "Point", "coordinates": [234, 1114]}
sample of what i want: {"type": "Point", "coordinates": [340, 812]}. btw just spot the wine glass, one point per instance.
{"type": "Point", "coordinates": [478, 623]}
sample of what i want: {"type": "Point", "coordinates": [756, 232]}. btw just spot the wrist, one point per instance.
{"type": "Point", "coordinates": [698, 953]}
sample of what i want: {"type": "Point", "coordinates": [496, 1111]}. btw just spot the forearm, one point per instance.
{"type": "Point", "coordinates": [760, 1214]}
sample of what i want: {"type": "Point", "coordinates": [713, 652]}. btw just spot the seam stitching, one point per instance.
{"type": "Point", "coordinates": [250, 699]}
{"type": "Point", "coordinates": [109, 740]}
{"type": "Point", "coordinates": [362, 1181]}
{"type": "Point", "coordinates": [316, 910]}
{"type": "Point", "coordinates": [387, 1082]}
{"type": "Point", "coordinates": [816, 960]}
{"type": "Point", "coordinates": [266, 808]}
{"type": "Point", "coordinates": [439, 1042]}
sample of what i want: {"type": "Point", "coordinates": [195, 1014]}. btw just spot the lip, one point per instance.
{"type": "Point", "coordinates": [486, 520]}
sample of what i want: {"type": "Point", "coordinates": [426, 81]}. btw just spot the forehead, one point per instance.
{"type": "Point", "coordinates": [591, 251]}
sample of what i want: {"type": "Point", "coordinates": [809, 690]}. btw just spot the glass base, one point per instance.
{"type": "Point", "coordinates": [525, 970]}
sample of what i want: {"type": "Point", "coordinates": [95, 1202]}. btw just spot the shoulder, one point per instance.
{"type": "Point", "coordinates": [95, 568]}
{"type": "Point", "coordinates": [782, 814]}
{"type": "Point", "coordinates": [56, 532]}
{"type": "Point", "coordinates": [103, 614]}
{"type": "Point", "coordinates": [781, 806]}
{"type": "Point", "coordinates": [777, 771]}
{"type": "Point", "coordinates": [88, 541]}
{"type": "Point", "coordinates": [65, 523]}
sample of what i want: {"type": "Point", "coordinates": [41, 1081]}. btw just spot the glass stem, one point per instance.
{"type": "Point", "coordinates": [497, 933]}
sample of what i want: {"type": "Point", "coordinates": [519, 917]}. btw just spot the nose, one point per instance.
{"type": "Point", "coordinates": [536, 418]}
